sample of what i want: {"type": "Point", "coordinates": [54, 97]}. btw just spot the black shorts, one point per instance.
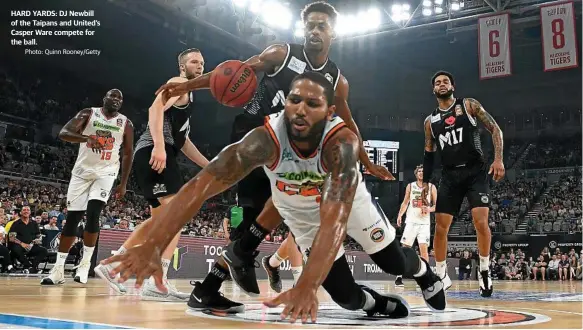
{"type": "Point", "coordinates": [255, 189]}
{"type": "Point", "coordinates": [467, 181]}
{"type": "Point", "coordinates": [153, 184]}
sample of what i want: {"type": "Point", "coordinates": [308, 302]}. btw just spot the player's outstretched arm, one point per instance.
{"type": "Point", "coordinates": [156, 113]}
{"type": "Point", "coordinates": [477, 110]}
{"type": "Point", "coordinates": [192, 152]}
{"type": "Point", "coordinates": [340, 156]}
{"type": "Point", "coordinates": [71, 132]}
{"type": "Point", "coordinates": [230, 166]}
{"type": "Point", "coordinates": [343, 111]}
{"type": "Point", "coordinates": [267, 61]}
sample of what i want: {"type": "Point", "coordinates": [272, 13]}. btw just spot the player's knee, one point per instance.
{"type": "Point", "coordinates": [94, 208]}
{"type": "Point", "coordinates": [350, 297]}
{"type": "Point", "coordinates": [70, 227]}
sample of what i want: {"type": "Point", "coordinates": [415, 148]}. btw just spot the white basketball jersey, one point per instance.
{"type": "Point", "coordinates": [109, 132]}
{"type": "Point", "coordinates": [297, 181]}
{"type": "Point", "coordinates": [414, 214]}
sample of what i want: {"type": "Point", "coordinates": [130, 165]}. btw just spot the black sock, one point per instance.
{"type": "Point", "coordinates": [251, 238]}
{"type": "Point", "coordinates": [213, 280]}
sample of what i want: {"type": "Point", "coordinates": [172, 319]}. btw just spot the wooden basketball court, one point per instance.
{"type": "Point", "coordinates": [24, 303]}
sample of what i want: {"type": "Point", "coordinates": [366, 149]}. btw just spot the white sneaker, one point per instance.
{"type": "Point", "coordinates": [446, 282]}
{"type": "Point", "coordinates": [56, 276]}
{"type": "Point", "coordinates": [151, 292]}
{"type": "Point", "coordinates": [82, 272]}
{"type": "Point", "coordinates": [103, 272]}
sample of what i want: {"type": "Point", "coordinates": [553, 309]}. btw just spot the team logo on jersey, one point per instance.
{"type": "Point", "coordinates": [104, 138]}
{"type": "Point", "coordinates": [458, 110]}
{"type": "Point", "coordinates": [286, 155]}
{"type": "Point", "coordinates": [484, 199]}
{"type": "Point", "coordinates": [329, 77]}
{"type": "Point", "coordinates": [119, 122]}
{"type": "Point", "coordinates": [377, 235]}
{"type": "Point", "coordinates": [296, 65]}
{"type": "Point", "coordinates": [103, 194]}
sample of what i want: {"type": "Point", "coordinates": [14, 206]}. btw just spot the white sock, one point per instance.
{"type": "Point", "coordinates": [422, 269]}
{"type": "Point", "coordinates": [440, 268]}
{"type": "Point", "coordinates": [275, 260]}
{"type": "Point", "coordinates": [87, 253]}
{"type": "Point", "coordinates": [61, 258]}
{"type": "Point", "coordinates": [399, 277]}
{"type": "Point", "coordinates": [297, 272]}
{"type": "Point", "coordinates": [484, 263]}
{"type": "Point", "coordinates": [369, 301]}
{"type": "Point", "coordinates": [165, 266]}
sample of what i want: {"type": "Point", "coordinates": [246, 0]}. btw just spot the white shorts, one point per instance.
{"type": "Point", "coordinates": [367, 224]}
{"type": "Point", "coordinates": [416, 231]}
{"type": "Point", "coordinates": [81, 191]}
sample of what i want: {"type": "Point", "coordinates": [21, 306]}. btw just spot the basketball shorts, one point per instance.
{"type": "Point", "coordinates": [367, 225]}
{"type": "Point", "coordinates": [416, 231]}
{"type": "Point", "coordinates": [155, 185]}
{"type": "Point", "coordinates": [82, 190]}
{"type": "Point", "coordinates": [470, 181]}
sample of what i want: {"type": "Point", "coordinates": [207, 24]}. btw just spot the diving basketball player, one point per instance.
{"type": "Point", "coordinates": [452, 128]}
{"type": "Point", "coordinates": [330, 201]}
{"type": "Point", "coordinates": [101, 134]}
{"type": "Point", "coordinates": [281, 64]}
{"type": "Point", "coordinates": [418, 226]}
{"type": "Point", "coordinates": [157, 170]}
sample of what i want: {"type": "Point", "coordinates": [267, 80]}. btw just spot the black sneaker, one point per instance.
{"type": "Point", "coordinates": [433, 289]}
{"type": "Point", "coordinates": [242, 268]}
{"type": "Point", "coordinates": [215, 301]}
{"type": "Point", "coordinates": [399, 281]}
{"type": "Point", "coordinates": [272, 274]}
{"type": "Point", "coordinates": [485, 281]}
{"type": "Point", "coordinates": [391, 305]}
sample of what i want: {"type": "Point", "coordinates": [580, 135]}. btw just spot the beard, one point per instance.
{"type": "Point", "coordinates": [109, 107]}
{"type": "Point", "coordinates": [312, 135]}
{"type": "Point", "coordinates": [444, 96]}
{"type": "Point", "coordinates": [190, 75]}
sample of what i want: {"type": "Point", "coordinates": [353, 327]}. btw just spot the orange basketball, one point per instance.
{"type": "Point", "coordinates": [233, 83]}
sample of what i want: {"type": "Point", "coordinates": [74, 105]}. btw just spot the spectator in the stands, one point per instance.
{"type": "Point", "coordinates": [564, 265]}
{"type": "Point", "coordinates": [25, 242]}
{"type": "Point", "coordinates": [52, 225]}
{"type": "Point", "coordinates": [553, 269]}
{"type": "Point", "coordinates": [540, 267]}
{"type": "Point", "coordinates": [465, 267]}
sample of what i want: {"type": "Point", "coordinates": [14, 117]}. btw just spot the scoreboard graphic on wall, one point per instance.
{"type": "Point", "coordinates": [383, 153]}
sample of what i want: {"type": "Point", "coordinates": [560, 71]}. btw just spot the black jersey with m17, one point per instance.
{"type": "Point", "coordinates": [274, 87]}
{"type": "Point", "coordinates": [456, 134]}
{"type": "Point", "coordinates": [176, 127]}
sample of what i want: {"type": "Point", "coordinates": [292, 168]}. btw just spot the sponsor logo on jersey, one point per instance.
{"type": "Point", "coordinates": [377, 235]}
{"type": "Point", "coordinates": [436, 118]}
{"type": "Point", "coordinates": [329, 77]}
{"type": "Point", "coordinates": [450, 120]}
{"type": "Point", "coordinates": [286, 155]}
{"type": "Point", "coordinates": [106, 126]}
{"type": "Point", "coordinates": [301, 176]}
{"type": "Point", "coordinates": [296, 65]}
{"type": "Point", "coordinates": [372, 226]}
{"type": "Point", "coordinates": [484, 199]}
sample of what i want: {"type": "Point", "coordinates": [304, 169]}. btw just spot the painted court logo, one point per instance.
{"type": "Point", "coordinates": [332, 315]}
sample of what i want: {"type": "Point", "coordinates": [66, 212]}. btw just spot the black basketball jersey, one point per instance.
{"type": "Point", "coordinates": [456, 134]}
{"type": "Point", "coordinates": [273, 88]}
{"type": "Point", "coordinates": [176, 126]}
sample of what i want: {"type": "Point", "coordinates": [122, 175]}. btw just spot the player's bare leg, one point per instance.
{"type": "Point", "coordinates": [480, 218]}
{"type": "Point", "coordinates": [442, 224]}
{"type": "Point", "coordinates": [287, 250]}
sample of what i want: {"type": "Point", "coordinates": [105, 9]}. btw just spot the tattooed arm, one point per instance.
{"type": "Point", "coordinates": [230, 166]}
{"type": "Point", "coordinates": [340, 156]}
{"type": "Point", "coordinates": [475, 109]}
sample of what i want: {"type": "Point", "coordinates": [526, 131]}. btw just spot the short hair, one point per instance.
{"type": "Point", "coordinates": [319, 79]}
{"type": "Point", "coordinates": [186, 52]}
{"type": "Point", "coordinates": [320, 7]}
{"type": "Point", "coordinates": [442, 73]}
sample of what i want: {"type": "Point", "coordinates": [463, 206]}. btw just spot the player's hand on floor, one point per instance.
{"type": "Point", "coordinates": [497, 168]}
{"type": "Point", "coordinates": [381, 172]}
{"type": "Point", "coordinates": [299, 303]}
{"type": "Point", "coordinates": [143, 261]}
{"type": "Point", "coordinates": [158, 159]}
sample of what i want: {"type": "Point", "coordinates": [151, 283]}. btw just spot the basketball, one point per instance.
{"type": "Point", "coordinates": [233, 83]}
